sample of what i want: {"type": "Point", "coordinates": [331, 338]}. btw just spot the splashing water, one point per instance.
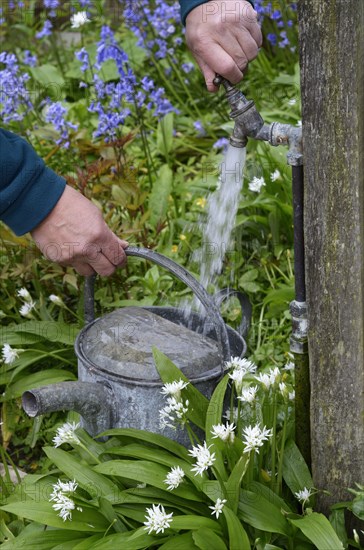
{"type": "Point", "coordinates": [221, 213]}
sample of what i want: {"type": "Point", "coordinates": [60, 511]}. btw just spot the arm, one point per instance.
{"type": "Point", "coordinates": [223, 35]}
{"type": "Point", "coordinates": [67, 227]}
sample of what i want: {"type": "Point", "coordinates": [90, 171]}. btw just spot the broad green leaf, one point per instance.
{"type": "Point", "coordinates": [206, 539]}
{"type": "Point", "coordinates": [88, 542]}
{"type": "Point", "coordinates": [358, 506]}
{"type": "Point", "coordinates": [90, 520]}
{"type": "Point", "coordinates": [165, 135]}
{"type": "Point", "coordinates": [42, 541]}
{"type": "Point", "coordinates": [337, 520]}
{"type": "Point", "coordinates": [238, 538]}
{"type": "Point", "coordinates": [52, 331]}
{"type": "Point", "coordinates": [318, 529]}
{"type": "Point", "coordinates": [158, 198]}
{"type": "Point", "coordinates": [50, 79]}
{"type": "Point", "coordinates": [37, 380]}
{"type": "Point", "coordinates": [215, 408]}
{"type": "Point", "coordinates": [295, 470]}
{"type": "Point", "coordinates": [269, 495]}
{"type": "Point", "coordinates": [129, 541]}
{"type": "Point", "coordinates": [249, 276]}
{"type": "Point", "coordinates": [233, 484]}
{"type": "Point", "coordinates": [195, 522]}
{"type": "Point", "coordinates": [156, 455]}
{"type": "Point", "coordinates": [95, 484]}
{"type": "Point", "coordinates": [154, 439]}
{"type": "Point", "coordinates": [179, 542]}
{"type": "Point", "coordinates": [169, 372]}
{"type": "Point", "coordinates": [258, 512]}
{"type": "Point", "coordinates": [109, 513]}
{"type": "Point", "coordinates": [144, 471]}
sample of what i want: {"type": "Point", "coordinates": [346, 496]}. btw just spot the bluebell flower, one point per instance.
{"type": "Point", "coordinates": [46, 31]}
{"type": "Point", "coordinates": [199, 127]}
{"type": "Point", "coordinates": [276, 15]}
{"type": "Point", "coordinates": [221, 143]}
{"type": "Point", "coordinates": [14, 96]}
{"type": "Point", "coordinates": [84, 3]}
{"type": "Point", "coordinates": [272, 38]}
{"type": "Point", "coordinates": [55, 114]}
{"type": "Point", "coordinates": [51, 4]}
{"type": "Point", "coordinates": [187, 67]}
{"type": "Point", "coordinates": [284, 42]}
{"type": "Point", "coordinates": [83, 56]}
{"type": "Point", "coordinates": [29, 59]}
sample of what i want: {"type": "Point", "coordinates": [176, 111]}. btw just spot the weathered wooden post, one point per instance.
{"type": "Point", "coordinates": [332, 63]}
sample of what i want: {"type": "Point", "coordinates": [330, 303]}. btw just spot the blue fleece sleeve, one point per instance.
{"type": "Point", "coordinates": [188, 5]}
{"type": "Point", "coordinates": [28, 189]}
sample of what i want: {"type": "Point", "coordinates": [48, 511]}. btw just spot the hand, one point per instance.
{"type": "Point", "coordinates": [75, 234]}
{"type": "Point", "coordinates": [223, 36]}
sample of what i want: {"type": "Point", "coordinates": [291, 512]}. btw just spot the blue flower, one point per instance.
{"type": "Point", "coordinates": [187, 67]}
{"type": "Point", "coordinates": [55, 114]}
{"type": "Point", "coordinates": [29, 59]}
{"type": "Point", "coordinates": [221, 143]}
{"type": "Point", "coordinates": [199, 127]}
{"type": "Point", "coordinates": [51, 4]}
{"type": "Point", "coordinates": [272, 38]}
{"type": "Point", "coordinates": [14, 97]}
{"type": "Point", "coordinates": [83, 56]}
{"type": "Point", "coordinates": [46, 31]}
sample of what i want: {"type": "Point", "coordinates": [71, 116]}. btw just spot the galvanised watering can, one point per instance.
{"type": "Point", "coordinates": [119, 385]}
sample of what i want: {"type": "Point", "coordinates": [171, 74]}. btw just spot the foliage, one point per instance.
{"type": "Point", "coordinates": [142, 490]}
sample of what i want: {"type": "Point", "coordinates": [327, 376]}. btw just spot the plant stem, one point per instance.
{"type": "Point", "coordinates": [273, 448]}
{"type": "Point", "coordinates": [281, 452]}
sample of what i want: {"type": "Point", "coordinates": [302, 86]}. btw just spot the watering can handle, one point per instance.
{"type": "Point", "coordinates": [212, 311]}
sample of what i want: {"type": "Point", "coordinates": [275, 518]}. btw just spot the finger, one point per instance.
{"type": "Point", "coordinates": [83, 269]}
{"type": "Point", "coordinates": [208, 74]}
{"type": "Point", "coordinates": [256, 33]}
{"type": "Point", "coordinates": [222, 60]}
{"type": "Point", "coordinates": [102, 265]}
{"type": "Point", "coordinates": [249, 46]}
{"type": "Point", "coordinates": [113, 248]}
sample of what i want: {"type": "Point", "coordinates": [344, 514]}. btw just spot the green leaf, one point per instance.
{"type": "Point", "coordinates": [337, 520]}
{"type": "Point", "coordinates": [158, 198]}
{"type": "Point", "coordinates": [165, 135]}
{"type": "Point", "coordinates": [179, 542]}
{"type": "Point", "coordinates": [37, 380]}
{"type": "Point", "coordinates": [238, 538]}
{"type": "Point", "coordinates": [318, 529]}
{"type": "Point", "coordinates": [42, 512]}
{"type": "Point", "coordinates": [249, 276]}
{"type": "Point", "coordinates": [169, 372]}
{"type": "Point", "coordinates": [206, 539]}
{"type": "Point", "coordinates": [269, 495]}
{"type": "Point", "coordinates": [42, 541]}
{"type": "Point", "coordinates": [144, 471]}
{"type": "Point", "coordinates": [233, 484]}
{"type": "Point", "coordinates": [295, 470]}
{"type": "Point", "coordinates": [215, 408]}
{"type": "Point", "coordinates": [52, 331]}
{"type": "Point", "coordinates": [50, 79]}
{"type": "Point", "coordinates": [154, 439]}
{"type": "Point", "coordinates": [195, 522]}
{"type": "Point", "coordinates": [95, 484]}
{"type": "Point", "coordinates": [358, 506]}
{"type": "Point", "coordinates": [258, 512]}
{"type": "Point", "coordinates": [135, 540]}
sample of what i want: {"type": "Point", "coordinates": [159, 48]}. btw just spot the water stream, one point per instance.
{"type": "Point", "coordinates": [222, 207]}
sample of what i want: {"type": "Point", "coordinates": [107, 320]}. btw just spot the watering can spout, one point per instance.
{"type": "Point", "coordinates": [92, 401]}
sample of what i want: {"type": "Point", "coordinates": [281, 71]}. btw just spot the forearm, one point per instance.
{"type": "Point", "coordinates": [28, 189]}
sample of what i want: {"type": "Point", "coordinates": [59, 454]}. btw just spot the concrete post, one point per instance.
{"type": "Point", "coordinates": [332, 63]}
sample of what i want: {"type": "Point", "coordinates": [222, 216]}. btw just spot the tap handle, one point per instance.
{"type": "Point", "coordinates": [218, 80]}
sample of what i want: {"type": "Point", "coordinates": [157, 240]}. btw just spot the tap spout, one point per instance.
{"type": "Point", "coordinates": [250, 124]}
{"type": "Point", "coordinates": [92, 401]}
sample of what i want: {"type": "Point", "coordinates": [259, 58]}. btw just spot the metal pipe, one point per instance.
{"type": "Point", "coordinates": [299, 251]}
{"type": "Point", "coordinates": [92, 401]}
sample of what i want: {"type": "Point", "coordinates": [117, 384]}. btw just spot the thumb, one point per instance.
{"type": "Point", "coordinates": [208, 74]}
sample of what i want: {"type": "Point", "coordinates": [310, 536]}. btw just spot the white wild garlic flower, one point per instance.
{"type": "Point", "coordinates": [292, 395]}
{"type": "Point", "coordinates": [174, 412]}
{"type": "Point", "coordinates": [174, 478]}
{"type": "Point", "coordinates": [174, 388]}
{"type": "Point", "coordinates": [256, 185]}
{"type": "Point", "coordinates": [275, 175]}
{"type": "Point", "coordinates": [289, 366]}
{"type": "Point", "coordinates": [235, 414]}
{"type": "Point", "coordinates": [78, 19]}
{"type": "Point", "coordinates": [9, 354]}
{"type": "Point", "coordinates": [248, 394]}
{"type": "Point", "coordinates": [66, 434]}
{"type": "Point", "coordinates": [303, 495]}
{"type": "Point", "coordinates": [217, 508]}
{"type": "Point", "coordinates": [254, 437]}
{"type": "Point", "coordinates": [56, 300]}
{"type": "Point", "coordinates": [225, 433]}
{"type": "Point", "coordinates": [24, 294]}
{"type": "Point", "coordinates": [157, 519]}
{"type": "Point", "coordinates": [204, 458]}
{"type": "Point", "coordinates": [240, 363]}
{"type": "Point", "coordinates": [63, 503]}
{"type": "Point", "coordinates": [26, 308]}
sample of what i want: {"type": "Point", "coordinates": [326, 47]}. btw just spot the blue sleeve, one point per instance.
{"type": "Point", "coordinates": [28, 189]}
{"type": "Point", "coordinates": [188, 5]}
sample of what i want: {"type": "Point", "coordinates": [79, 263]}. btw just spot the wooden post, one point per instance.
{"type": "Point", "coordinates": [332, 63]}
